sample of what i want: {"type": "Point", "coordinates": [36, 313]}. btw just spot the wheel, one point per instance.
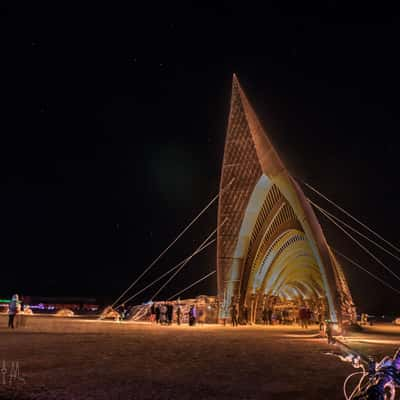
{"type": "Point", "coordinates": [377, 392]}
{"type": "Point", "coordinates": [389, 391]}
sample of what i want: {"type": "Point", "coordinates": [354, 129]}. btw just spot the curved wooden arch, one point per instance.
{"type": "Point", "coordinates": [262, 204]}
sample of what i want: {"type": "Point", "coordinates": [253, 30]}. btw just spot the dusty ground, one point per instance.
{"type": "Point", "coordinates": [75, 359]}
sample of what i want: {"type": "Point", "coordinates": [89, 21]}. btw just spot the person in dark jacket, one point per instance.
{"type": "Point", "coordinates": [158, 314]}
{"type": "Point", "coordinates": [303, 317]}
{"type": "Point", "coordinates": [269, 313]}
{"type": "Point", "coordinates": [170, 313]}
{"type": "Point", "coordinates": [178, 315]}
{"type": "Point", "coordinates": [265, 316]}
{"type": "Point", "coordinates": [234, 314]}
{"type": "Point", "coordinates": [245, 315]}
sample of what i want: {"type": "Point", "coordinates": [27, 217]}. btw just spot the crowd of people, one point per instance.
{"type": "Point", "coordinates": [271, 315]}
{"type": "Point", "coordinates": [163, 314]}
{"type": "Point", "coordinates": [168, 312]}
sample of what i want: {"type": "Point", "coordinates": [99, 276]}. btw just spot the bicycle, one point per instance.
{"type": "Point", "coordinates": [378, 380]}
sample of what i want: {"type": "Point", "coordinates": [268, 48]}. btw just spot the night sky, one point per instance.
{"type": "Point", "coordinates": [113, 122]}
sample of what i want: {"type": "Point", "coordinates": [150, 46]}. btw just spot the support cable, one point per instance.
{"type": "Point", "coordinates": [351, 216]}
{"type": "Point", "coordinates": [359, 243]}
{"type": "Point", "coordinates": [184, 264]}
{"type": "Point", "coordinates": [356, 231]}
{"type": "Point", "coordinates": [365, 270]}
{"type": "Point", "coordinates": [173, 242]}
{"type": "Point", "coordinates": [193, 284]}
{"type": "Point", "coordinates": [197, 251]}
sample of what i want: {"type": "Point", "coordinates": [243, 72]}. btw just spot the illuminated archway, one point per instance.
{"type": "Point", "coordinates": [272, 243]}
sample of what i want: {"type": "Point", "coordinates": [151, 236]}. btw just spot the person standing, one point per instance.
{"type": "Point", "coordinates": [122, 314]}
{"type": "Point", "coordinates": [12, 310]}
{"type": "Point", "coordinates": [320, 321]}
{"type": "Point", "coordinates": [285, 316]}
{"type": "Point", "coordinates": [279, 317]}
{"type": "Point", "coordinates": [163, 316]}
{"type": "Point", "coordinates": [178, 315]}
{"type": "Point", "coordinates": [329, 332]}
{"type": "Point", "coordinates": [170, 313]}
{"type": "Point", "coordinates": [192, 315]}
{"type": "Point", "coordinates": [152, 312]}
{"type": "Point", "coordinates": [234, 315]}
{"type": "Point", "coordinates": [308, 316]}
{"type": "Point", "coordinates": [265, 316]}
{"type": "Point", "coordinates": [245, 315]}
{"type": "Point", "coordinates": [270, 312]}
{"type": "Point", "coordinates": [303, 317]}
{"type": "Point", "coordinates": [158, 314]}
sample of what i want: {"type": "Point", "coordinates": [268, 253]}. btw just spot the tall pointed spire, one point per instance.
{"type": "Point", "coordinates": [268, 217]}
{"type": "Point", "coordinates": [268, 157]}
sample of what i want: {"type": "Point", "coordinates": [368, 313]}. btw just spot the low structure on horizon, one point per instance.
{"type": "Point", "coordinates": [207, 308]}
{"type": "Point", "coordinates": [40, 304]}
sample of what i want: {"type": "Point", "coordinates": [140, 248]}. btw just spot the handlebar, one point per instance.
{"type": "Point", "coordinates": [348, 350]}
{"type": "Point", "coordinates": [355, 360]}
{"type": "Point", "coordinates": [375, 379]}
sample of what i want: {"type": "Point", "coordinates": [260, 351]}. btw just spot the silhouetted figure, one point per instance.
{"type": "Point", "coordinates": [279, 317]}
{"type": "Point", "coordinates": [285, 316]}
{"type": "Point", "coordinates": [152, 312]}
{"type": "Point", "coordinates": [329, 333]}
{"type": "Point", "coordinates": [269, 316]}
{"type": "Point", "coordinates": [303, 317]}
{"type": "Point", "coordinates": [245, 315]}
{"type": "Point", "coordinates": [192, 315]}
{"type": "Point", "coordinates": [163, 314]}
{"type": "Point", "coordinates": [122, 314]}
{"type": "Point", "coordinates": [265, 316]}
{"type": "Point", "coordinates": [158, 314]}
{"type": "Point", "coordinates": [320, 321]}
{"type": "Point", "coordinates": [234, 315]}
{"type": "Point", "coordinates": [12, 310]}
{"type": "Point", "coordinates": [170, 313]}
{"type": "Point", "coordinates": [178, 315]}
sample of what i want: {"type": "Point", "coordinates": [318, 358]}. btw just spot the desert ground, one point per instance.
{"type": "Point", "coordinates": [62, 358]}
